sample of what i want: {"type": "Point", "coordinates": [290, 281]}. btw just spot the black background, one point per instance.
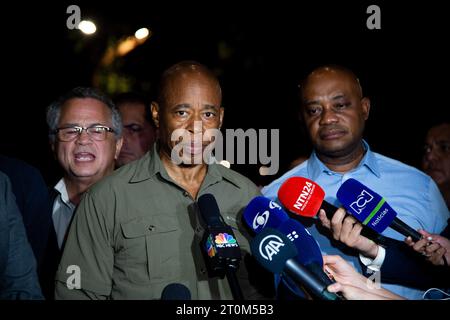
{"type": "Point", "coordinates": [260, 51]}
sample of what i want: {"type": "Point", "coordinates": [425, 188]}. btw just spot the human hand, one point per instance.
{"type": "Point", "coordinates": [435, 247]}
{"type": "Point", "coordinates": [348, 230]}
{"type": "Point", "coordinates": [341, 271]}
{"type": "Point", "coordinates": [353, 285]}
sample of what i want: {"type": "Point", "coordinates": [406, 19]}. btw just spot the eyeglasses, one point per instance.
{"type": "Point", "coordinates": [96, 132]}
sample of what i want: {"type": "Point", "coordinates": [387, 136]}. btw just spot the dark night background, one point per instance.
{"type": "Point", "coordinates": [259, 50]}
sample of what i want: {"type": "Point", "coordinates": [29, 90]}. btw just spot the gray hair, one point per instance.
{"type": "Point", "coordinates": [54, 110]}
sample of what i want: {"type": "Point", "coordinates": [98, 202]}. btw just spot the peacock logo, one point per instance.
{"type": "Point", "coordinates": [210, 248]}
{"type": "Point", "coordinates": [224, 239]}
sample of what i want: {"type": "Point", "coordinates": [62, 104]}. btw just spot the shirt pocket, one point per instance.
{"type": "Point", "coordinates": [151, 249]}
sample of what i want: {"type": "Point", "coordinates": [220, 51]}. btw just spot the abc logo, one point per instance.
{"type": "Point", "coordinates": [361, 201]}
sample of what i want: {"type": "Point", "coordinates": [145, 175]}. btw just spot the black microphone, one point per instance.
{"type": "Point", "coordinates": [275, 252]}
{"type": "Point", "coordinates": [176, 291]}
{"type": "Point", "coordinates": [220, 244]}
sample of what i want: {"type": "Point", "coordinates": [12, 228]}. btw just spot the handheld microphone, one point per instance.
{"type": "Point", "coordinates": [261, 212]}
{"type": "Point", "coordinates": [304, 197]}
{"type": "Point", "coordinates": [371, 209]}
{"type": "Point", "coordinates": [275, 252]}
{"type": "Point", "coordinates": [176, 291]}
{"type": "Point", "coordinates": [223, 252]}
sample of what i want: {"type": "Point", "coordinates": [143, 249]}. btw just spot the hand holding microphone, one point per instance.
{"type": "Point", "coordinates": [304, 197]}
{"type": "Point", "coordinates": [434, 247]}
{"type": "Point", "coordinates": [347, 229]}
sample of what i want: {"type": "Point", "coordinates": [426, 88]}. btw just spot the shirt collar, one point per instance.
{"type": "Point", "coordinates": [151, 165]}
{"type": "Point", "coordinates": [61, 188]}
{"type": "Point", "coordinates": [315, 167]}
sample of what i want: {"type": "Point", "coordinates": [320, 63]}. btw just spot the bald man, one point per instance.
{"type": "Point", "coordinates": [334, 111]}
{"type": "Point", "coordinates": [139, 230]}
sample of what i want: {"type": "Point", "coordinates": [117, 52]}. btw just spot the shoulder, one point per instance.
{"type": "Point", "coordinates": [271, 190]}
{"type": "Point", "coordinates": [398, 169]}
{"type": "Point", "coordinates": [117, 180]}
{"type": "Point", "coordinates": [17, 169]}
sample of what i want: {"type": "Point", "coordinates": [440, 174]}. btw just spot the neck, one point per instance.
{"type": "Point", "coordinates": [190, 177]}
{"type": "Point", "coordinates": [343, 163]}
{"type": "Point", "coordinates": [75, 189]}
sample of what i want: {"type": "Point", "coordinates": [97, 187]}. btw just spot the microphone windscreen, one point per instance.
{"type": "Point", "coordinates": [367, 206]}
{"type": "Point", "coordinates": [307, 247]}
{"type": "Point", "coordinates": [176, 291]}
{"type": "Point", "coordinates": [209, 210]}
{"type": "Point", "coordinates": [301, 196]}
{"type": "Point", "coordinates": [272, 249]}
{"type": "Point", "coordinates": [261, 212]}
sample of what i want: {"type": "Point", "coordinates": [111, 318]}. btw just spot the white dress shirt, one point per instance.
{"type": "Point", "coordinates": [62, 212]}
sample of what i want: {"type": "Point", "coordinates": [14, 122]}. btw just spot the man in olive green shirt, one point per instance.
{"type": "Point", "coordinates": [138, 230]}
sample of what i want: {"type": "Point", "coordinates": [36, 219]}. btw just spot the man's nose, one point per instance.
{"type": "Point", "coordinates": [328, 116]}
{"type": "Point", "coordinates": [84, 138]}
{"type": "Point", "coordinates": [195, 124]}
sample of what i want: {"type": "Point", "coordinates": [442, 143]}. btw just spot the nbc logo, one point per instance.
{"type": "Point", "coordinates": [210, 247]}
{"type": "Point", "coordinates": [224, 238]}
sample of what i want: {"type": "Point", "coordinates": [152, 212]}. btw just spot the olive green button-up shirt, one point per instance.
{"type": "Point", "coordinates": [136, 231]}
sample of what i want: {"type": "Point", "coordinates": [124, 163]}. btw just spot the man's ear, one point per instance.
{"type": "Point", "coordinates": [221, 115]}
{"type": "Point", "coordinates": [119, 144]}
{"type": "Point", "coordinates": [155, 113]}
{"type": "Point", "coordinates": [365, 104]}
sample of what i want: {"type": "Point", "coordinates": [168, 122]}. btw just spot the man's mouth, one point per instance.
{"type": "Point", "coordinates": [84, 156]}
{"type": "Point", "coordinates": [331, 134]}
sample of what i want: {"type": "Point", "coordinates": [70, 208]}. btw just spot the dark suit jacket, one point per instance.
{"type": "Point", "coordinates": [32, 198]}
{"type": "Point", "coordinates": [404, 266]}
{"type": "Point", "coordinates": [18, 276]}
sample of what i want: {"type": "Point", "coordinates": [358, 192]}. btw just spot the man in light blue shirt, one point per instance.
{"type": "Point", "coordinates": [334, 112]}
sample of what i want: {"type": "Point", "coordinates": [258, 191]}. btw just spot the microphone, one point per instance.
{"type": "Point", "coordinates": [371, 209]}
{"type": "Point", "coordinates": [261, 212]}
{"type": "Point", "coordinates": [304, 197]}
{"type": "Point", "coordinates": [222, 250]}
{"type": "Point", "coordinates": [176, 291]}
{"type": "Point", "coordinates": [275, 252]}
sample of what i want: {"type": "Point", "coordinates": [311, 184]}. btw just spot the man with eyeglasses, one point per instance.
{"type": "Point", "coordinates": [139, 131]}
{"type": "Point", "coordinates": [85, 131]}
{"type": "Point", "coordinates": [138, 231]}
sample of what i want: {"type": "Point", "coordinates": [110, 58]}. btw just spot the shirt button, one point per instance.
{"type": "Point", "coordinates": [186, 194]}
{"type": "Point", "coordinates": [203, 270]}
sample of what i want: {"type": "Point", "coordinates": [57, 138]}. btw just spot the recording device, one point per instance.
{"type": "Point", "coordinates": [262, 213]}
{"type": "Point", "coordinates": [220, 246]}
{"type": "Point", "coordinates": [275, 252]}
{"type": "Point", "coordinates": [371, 209]}
{"type": "Point", "coordinates": [304, 197]}
{"type": "Point", "coordinates": [176, 291]}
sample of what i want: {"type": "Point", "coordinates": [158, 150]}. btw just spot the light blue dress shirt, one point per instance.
{"type": "Point", "coordinates": [410, 192]}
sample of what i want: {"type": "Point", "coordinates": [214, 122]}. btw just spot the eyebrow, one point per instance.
{"type": "Point", "coordinates": [70, 124]}
{"type": "Point", "coordinates": [187, 106]}
{"type": "Point", "coordinates": [337, 97]}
